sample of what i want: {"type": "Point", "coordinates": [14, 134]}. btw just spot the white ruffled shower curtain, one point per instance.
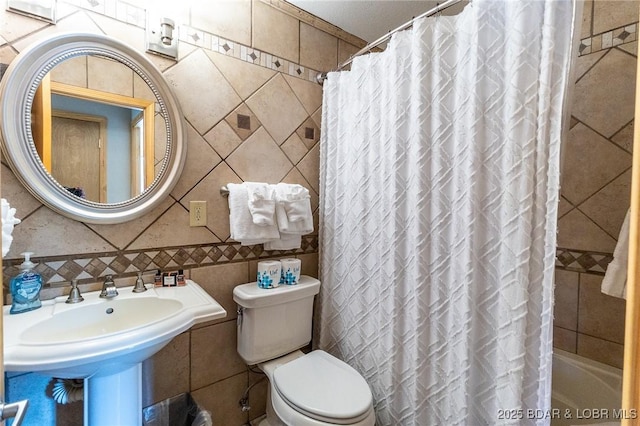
{"type": "Point", "coordinates": [439, 192]}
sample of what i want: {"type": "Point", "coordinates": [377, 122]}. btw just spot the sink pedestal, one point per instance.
{"type": "Point", "coordinates": [114, 398]}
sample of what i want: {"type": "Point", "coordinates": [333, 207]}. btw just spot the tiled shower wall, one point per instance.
{"type": "Point", "coordinates": [596, 182]}
{"type": "Point", "coordinates": [248, 59]}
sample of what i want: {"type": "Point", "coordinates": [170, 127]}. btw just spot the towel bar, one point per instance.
{"type": "Point", "coordinates": [224, 191]}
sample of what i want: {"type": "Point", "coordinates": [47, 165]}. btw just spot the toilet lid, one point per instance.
{"type": "Point", "coordinates": [321, 386]}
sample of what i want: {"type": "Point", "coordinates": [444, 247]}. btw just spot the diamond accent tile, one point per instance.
{"type": "Point", "coordinates": [70, 270]}
{"type": "Point", "coordinates": [96, 267]}
{"type": "Point", "coordinates": [243, 121]}
{"type": "Point", "coordinates": [583, 261]}
{"type": "Point", "coordinates": [142, 261]}
{"type": "Point", "coordinates": [182, 257]}
{"type": "Point", "coordinates": [309, 133]}
{"type": "Point", "coordinates": [162, 259]}
{"type": "Point", "coordinates": [199, 254]}
{"type": "Point", "coordinates": [120, 264]}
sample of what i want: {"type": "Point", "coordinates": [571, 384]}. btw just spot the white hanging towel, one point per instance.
{"type": "Point", "coordinates": [615, 277]}
{"type": "Point", "coordinates": [241, 224]}
{"type": "Point", "coordinates": [293, 215]}
{"type": "Point", "coordinates": [262, 203]}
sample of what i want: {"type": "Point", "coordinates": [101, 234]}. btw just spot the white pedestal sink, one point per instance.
{"type": "Point", "coordinates": [104, 341]}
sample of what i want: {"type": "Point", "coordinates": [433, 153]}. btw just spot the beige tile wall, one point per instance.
{"type": "Point", "coordinates": [213, 85]}
{"type": "Point", "coordinates": [596, 180]}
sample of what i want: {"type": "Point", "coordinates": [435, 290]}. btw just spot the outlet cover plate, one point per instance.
{"type": "Point", "coordinates": [197, 213]}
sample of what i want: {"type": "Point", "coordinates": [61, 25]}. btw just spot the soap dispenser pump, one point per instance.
{"type": "Point", "coordinates": [25, 287]}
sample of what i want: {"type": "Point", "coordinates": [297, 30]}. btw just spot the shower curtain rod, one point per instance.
{"type": "Point", "coordinates": [320, 78]}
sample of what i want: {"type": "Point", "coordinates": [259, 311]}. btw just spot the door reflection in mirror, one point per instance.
{"type": "Point", "coordinates": [92, 134]}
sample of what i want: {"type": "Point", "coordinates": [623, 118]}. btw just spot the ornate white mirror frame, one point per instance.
{"type": "Point", "coordinates": [17, 91]}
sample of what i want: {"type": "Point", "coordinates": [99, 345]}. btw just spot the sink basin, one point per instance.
{"type": "Point", "coordinates": [102, 335]}
{"type": "Point", "coordinates": [104, 341]}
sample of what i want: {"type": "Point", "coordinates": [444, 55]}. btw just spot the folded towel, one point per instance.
{"type": "Point", "coordinates": [293, 209]}
{"type": "Point", "coordinates": [262, 203]}
{"type": "Point", "coordinates": [241, 221]}
{"type": "Point", "coordinates": [286, 242]}
{"type": "Point", "coordinates": [614, 282]}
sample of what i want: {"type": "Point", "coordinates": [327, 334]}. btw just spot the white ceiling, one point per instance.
{"type": "Point", "coordinates": [367, 19]}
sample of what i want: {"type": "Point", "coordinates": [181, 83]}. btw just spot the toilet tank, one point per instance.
{"type": "Point", "coordinates": [276, 321]}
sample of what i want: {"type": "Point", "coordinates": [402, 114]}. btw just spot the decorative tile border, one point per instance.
{"type": "Point", "coordinates": [133, 15]}
{"type": "Point", "coordinates": [245, 53]}
{"type": "Point", "coordinates": [609, 39]}
{"type": "Point", "coordinates": [582, 261]}
{"type": "Point", "coordinates": [88, 268]}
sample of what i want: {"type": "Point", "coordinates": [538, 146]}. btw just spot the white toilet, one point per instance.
{"type": "Point", "coordinates": [304, 389]}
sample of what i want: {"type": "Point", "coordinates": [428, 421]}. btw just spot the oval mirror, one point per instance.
{"type": "Point", "coordinates": [91, 128]}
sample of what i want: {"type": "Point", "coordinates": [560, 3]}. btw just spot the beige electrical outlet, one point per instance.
{"type": "Point", "coordinates": [197, 213]}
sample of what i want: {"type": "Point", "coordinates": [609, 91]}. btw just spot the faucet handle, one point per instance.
{"type": "Point", "coordinates": [74, 294]}
{"type": "Point", "coordinates": [109, 289]}
{"type": "Point", "coordinates": [139, 287]}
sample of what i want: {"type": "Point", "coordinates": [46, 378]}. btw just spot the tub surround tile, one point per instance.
{"type": "Point", "coordinates": [631, 48]}
{"type": "Point", "coordinates": [608, 207]}
{"type": "Point", "coordinates": [309, 93]}
{"type": "Point", "coordinates": [624, 138]}
{"type": "Point", "coordinates": [309, 133]}
{"type": "Point", "coordinates": [564, 207]}
{"type": "Point", "coordinates": [585, 62]}
{"type": "Point", "coordinates": [601, 350]}
{"type": "Point", "coordinates": [591, 162]}
{"type": "Point", "coordinates": [598, 93]}
{"type": "Point", "coordinates": [565, 339]}
{"type": "Point", "coordinates": [611, 14]}
{"type": "Point", "coordinates": [565, 310]}
{"type": "Point", "coordinates": [600, 315]}
{"type": "Point", "coordinates": [587, 14]}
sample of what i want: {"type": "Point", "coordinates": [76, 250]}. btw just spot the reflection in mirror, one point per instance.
{"type": "Point", "coordinates": [93, 127]}
{"type": "Point", "coordinates": [44, 121]}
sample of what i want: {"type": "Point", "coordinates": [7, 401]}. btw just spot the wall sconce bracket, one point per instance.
{"type": "Point", "coordinates": [162, 38]}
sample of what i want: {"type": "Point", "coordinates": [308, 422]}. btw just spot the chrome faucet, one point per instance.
{"type": "Point", "coordinates": [109, 289]}
{"type": "Point", "coordinates": [74, 294]}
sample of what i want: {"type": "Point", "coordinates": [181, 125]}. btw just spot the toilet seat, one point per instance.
{"type": "Point", "coordinates": [323, 388]}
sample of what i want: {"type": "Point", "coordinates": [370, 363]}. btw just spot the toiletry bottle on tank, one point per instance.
{"type": "Point", "coordinates": [25, 287]}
